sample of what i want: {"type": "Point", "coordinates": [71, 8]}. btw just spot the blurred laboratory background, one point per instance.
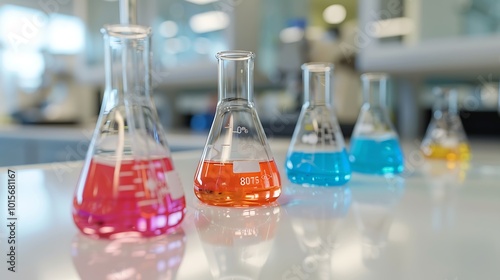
{"type": "Point", "coordinates": [52, 73]}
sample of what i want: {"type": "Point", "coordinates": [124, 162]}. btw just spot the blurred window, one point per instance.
{"type": "Point", "coordinates": [27, 34]}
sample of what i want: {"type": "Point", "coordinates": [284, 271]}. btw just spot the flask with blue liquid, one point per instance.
{"type": "Point", "coordinates": [375, 147]}
{"type": "Point", "coordinates": [317, 155]}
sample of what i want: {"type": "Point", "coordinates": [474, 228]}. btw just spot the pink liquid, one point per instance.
{"type": "Point", "coordinates": [133, 201]}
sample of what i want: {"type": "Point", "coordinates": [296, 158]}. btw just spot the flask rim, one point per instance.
{"type": "Point", "coordinates": [374, 76]}
{"type": "Point", "coordinates": [126, 31]}
{"type": "Point", "coordinates": [235, 55]}
{"type": "Point", "coordinates": [318, 66]}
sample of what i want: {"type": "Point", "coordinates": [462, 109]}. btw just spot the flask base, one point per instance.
{"type": "Point", "coordinates": [377, 169]}
{"type": "Point", "coordinates": [378, 156]}
{"type": "Point", "coordinates": [131, 207]}
{"type": "Point", "coordinates": [306, 179]}
{"type": "Point", "coordinates": [459, 153]}
{"type": "Point", "coordinates": [122, 227]}
{"type": "Point", "coordinates": [116, 220]}
{"type": "Point", "coordinates": [224, 183]}
{"type": "Point", "coordinates": [239, 199]}
{"type": "Point", "coordinates": [318, 169]}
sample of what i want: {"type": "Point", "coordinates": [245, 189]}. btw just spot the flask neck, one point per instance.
{"type": "Point", "coordinates": [235, 75]}
{"type": "Point", "coordinates": [446, 103]}
{"type": "Point", "coordinates": [127, 62]}
{"type": "Point", "coordinates": [317, 83]}
{"type": "Point", "coordinates": [374, 90]}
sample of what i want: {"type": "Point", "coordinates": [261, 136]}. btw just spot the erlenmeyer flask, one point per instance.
{"type": "Point", "coordinates": [375, 147]}
{"type": "Point", "coordinates": [445, 137]}
{"type": "Point", "coordinates": [236, 167]}
{"type": "Point", "coordinates": [317, 154]}
{"type": "Point", "coordinates": [128, 185]}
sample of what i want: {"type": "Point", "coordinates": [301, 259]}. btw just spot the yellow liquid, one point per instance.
{"type": "Point", "coordinates": [461, 152]}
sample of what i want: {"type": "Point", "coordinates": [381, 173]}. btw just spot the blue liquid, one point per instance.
{"type": "Point", "coordinates": [319, 169]}
{"type": "Point", "coordinates": [376, 157]}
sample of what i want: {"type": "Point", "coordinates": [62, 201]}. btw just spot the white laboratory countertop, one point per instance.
{"type": "Point", "coordinates": [437, 222]}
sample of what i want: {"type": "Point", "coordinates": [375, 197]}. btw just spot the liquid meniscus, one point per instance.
{"type": "Point", "coordinates": [237, 183]}
{"type": "Point", "coordinates": [320, 169]}
{"type": "Point", "coordinates": [376, 156]}
{"type": "Point", "coordinates": [133, 198]}
{"type": "Point", "coordinates": [460, 152]}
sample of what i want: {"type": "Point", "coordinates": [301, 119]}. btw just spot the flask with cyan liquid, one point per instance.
{"type": "Point", "coordinates": [445, 137]}
{"type": "Point", "coordinates": [375, 147]}
{"type": "Point", "coordinates": [237, 167]}
{"type": "Point", "coordinates": [128, 185]}
{"type": "Point", "coordinates": [317, 155]}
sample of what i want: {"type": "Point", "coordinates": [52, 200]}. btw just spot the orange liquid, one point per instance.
{"type": "Point", "coordinates": [461, 152]}
{"type": "Point", "coordinates": [216, 183]}
{"type": "Point", "coordinates": [133, 205]}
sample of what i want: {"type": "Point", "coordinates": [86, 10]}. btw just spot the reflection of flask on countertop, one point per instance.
{"type": "Point", "coordinates": [237, 167]}
{"type": "Point", "coordinates": [444, 178]}
{"type": "Point", "coordinates": [128, 258]}
{"type": "Point", "coordinates": [237, 241]}
{"type": "Point", "coordinates": [373, 202]}
{"type": "Point", "coordinates": [128, 185]}
{"type": "Point", "coordinates": [317, 213]}
{"type": "Point", "coordinates": [316, 216]}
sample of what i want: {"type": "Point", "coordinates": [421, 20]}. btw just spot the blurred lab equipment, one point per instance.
{"type": "Point", "coordinates": [375, 147]}
{"type": "Point", "coordinates": [317, 154]}
{"type": "Point", "coordinates": [445, 137]}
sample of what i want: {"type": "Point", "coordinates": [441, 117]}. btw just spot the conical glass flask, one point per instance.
{"type": "Point", "coordinates": [375, 147]}
{"type": "Point", "coordinates": [445, 137]}
{"type": "Point", "coordinates": [317, 154]}
{"type": "Point", "coordinates": [236, 167]}
{"type": "Point", "coordinates": [128, 185]}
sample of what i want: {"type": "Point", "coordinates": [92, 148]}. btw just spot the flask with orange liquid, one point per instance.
{"type": "Point", "coordinates": [236, 167]}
